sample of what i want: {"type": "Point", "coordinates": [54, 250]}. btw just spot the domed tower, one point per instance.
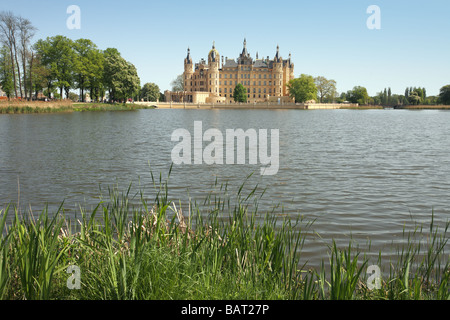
{"type": "Point", "coordinates": [213, 72]}
{"type": "Point", "coordinates": [278, 73]}
{"type": "Point", "coordinates": [188, 71]}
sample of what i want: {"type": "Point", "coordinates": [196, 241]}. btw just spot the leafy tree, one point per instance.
{"type": "Point", "coordinates": [414, 98]}
{"type": "Point", "coordinates": [444, 95]}
{"type": "Point", "coordinates": [85, 64]}
{"type": "Point", "coordinates": [6, 74]}
{"type": "Point", "coordinates": [150, 92]}
{"type": "Point", "coordinates": [178, 84]}
{"type": "Point", "coordinates": [39, 75]}
{"type": "Point", "coordinates": [120, 76]}
{"type": "Point", "coordinates": [358, 95]}
{"type": "Point", "coordinates": [57, 55]}
{"type": "Point", "coordinates": [240, 93]}
{"type": "Point", "coordinates": [326, 89]}
{"type": "Point", "coordinates": [302, 89]}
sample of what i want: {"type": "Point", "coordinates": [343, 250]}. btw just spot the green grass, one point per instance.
{"type": "Point", "coordinates": [28, 110]}
{"type": "Point", "coordinates": [22, 108]}
{"type": "Point", "coordinates": [218, 249]}
{"type": "Point", "coordinates": [108, 107]}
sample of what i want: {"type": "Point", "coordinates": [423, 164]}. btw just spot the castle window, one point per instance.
{"type": "Point", "coordinates": [265, 76]}
{"type": "Point", "coordinates": [259, 76]}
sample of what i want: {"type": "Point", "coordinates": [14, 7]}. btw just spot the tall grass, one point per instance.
{"type": "Point", "coordinates": [218, 249]}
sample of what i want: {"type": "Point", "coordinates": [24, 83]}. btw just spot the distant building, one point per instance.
{"type": "Point", "coordinates": [214, 82]}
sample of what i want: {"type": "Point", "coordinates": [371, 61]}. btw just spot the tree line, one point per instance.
{"type": "Point", "coordinates": [320, 89]}
{"type": "Point", "coordinates": [58, 65]}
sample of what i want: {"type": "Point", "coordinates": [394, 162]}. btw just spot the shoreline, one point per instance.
{"type": "Point", "coordinates": [36, 107]}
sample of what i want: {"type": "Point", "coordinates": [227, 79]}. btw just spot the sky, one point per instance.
{"type": "Point", "coordinates": [326, 38]}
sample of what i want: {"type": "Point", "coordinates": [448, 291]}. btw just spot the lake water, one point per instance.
{"type": "Point", "coordinates": [361, 174]}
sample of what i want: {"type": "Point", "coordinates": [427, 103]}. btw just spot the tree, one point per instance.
{"type": "Point", "coordinates": [8, 30]}
{"type": "Point", "coordinates": [240, 93]}
{"type": "Point", "coordinates": [83, 64]}
{"type": "Point", "coordinates": [326, 89]}
{"type": "Point", "coordinates": [120, 76]}
{"type": "Point", "coordinates": [302, 89]}
{"type": "Point", "coordinates": [150, 92]}
{"type": "Point", "coordinates": [58, 56]}
{"type": "Point", "coordinates": [6, 74]}
{"type": "Point", "coordinates": [414, 98]}
{"type": "Point", "coordinates": [444, 95]}
{"type": "Point", "coordinates": [358, 95]}
{"type": "Point", "coordinates": [178, 84]}
{"type": "Point", "coordinates": [26, 32]}
{"type": "Point", "coordinates": [39, 75]}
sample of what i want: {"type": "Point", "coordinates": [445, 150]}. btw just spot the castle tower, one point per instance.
{"type": "Point", "coordinates": [213, 72]}
{"type": "Point", "coordinates": [278, 73]}
{"type": "Point", "coordinates": [188, 72]}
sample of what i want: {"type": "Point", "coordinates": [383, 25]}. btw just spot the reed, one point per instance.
{"type": "Point", "coordinates": [221, 248]}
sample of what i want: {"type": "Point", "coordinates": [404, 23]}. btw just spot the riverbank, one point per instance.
{"type": "Point", "coordinates": [29, 107]}
{"type": "Point", "coordinates": [228, 251]}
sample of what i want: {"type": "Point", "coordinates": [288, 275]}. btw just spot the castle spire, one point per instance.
{"type": "Point", "coordinates": [244, 51]}
{"type": "Point", "coordinates": [188, 58]}
{"type": "Point", "coordinates": [277, 56]}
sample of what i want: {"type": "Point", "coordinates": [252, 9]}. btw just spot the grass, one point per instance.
{"type": "Point", "coordinates": [107, 107]}
{"type": "Point", "coordinates": [29, 107]}
{"type": "Point", "coordinates": [220, 249]}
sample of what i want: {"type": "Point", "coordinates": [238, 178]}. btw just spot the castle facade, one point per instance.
{"type": "Point", "coordinates": [213, 81]}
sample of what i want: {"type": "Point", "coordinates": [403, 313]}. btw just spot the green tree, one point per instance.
{"type": "Point", "coordinates": [240, 93]}
{"type": "Point", "coordinates": [414, 98]}
{"type": "Point", "coordinates": [39, 75]}
{"type": "Point", "coordinates": [6, 74]}
{"type": "Point", "coordinates": [178, 83]}
{"type": "Point", "coordinates": [120, 76]}
{"type": "Point", "coordinates": [58, 56]}
{"type": "Point", "coordinates": [358, 95]}
{"type": "Point", "coordinates": [444, 95]}
{"type": "Point", "coordinates": [326, 89]}
{"type": "Point", "coordinates": [150, 92]}
{"type": "Point", "coordinates": [83, 64]}
{"type": "Point", "coordinates": [302, 89]}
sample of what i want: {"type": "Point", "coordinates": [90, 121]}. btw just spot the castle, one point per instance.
{"type": "Point", "coordinates": [214, 82]}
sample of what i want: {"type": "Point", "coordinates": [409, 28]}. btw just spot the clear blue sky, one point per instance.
{"type": "Point", "coordinates": [326, 37]}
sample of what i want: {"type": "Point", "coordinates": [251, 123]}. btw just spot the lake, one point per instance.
{"type": "Point", "coordinates": [361, 174]}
